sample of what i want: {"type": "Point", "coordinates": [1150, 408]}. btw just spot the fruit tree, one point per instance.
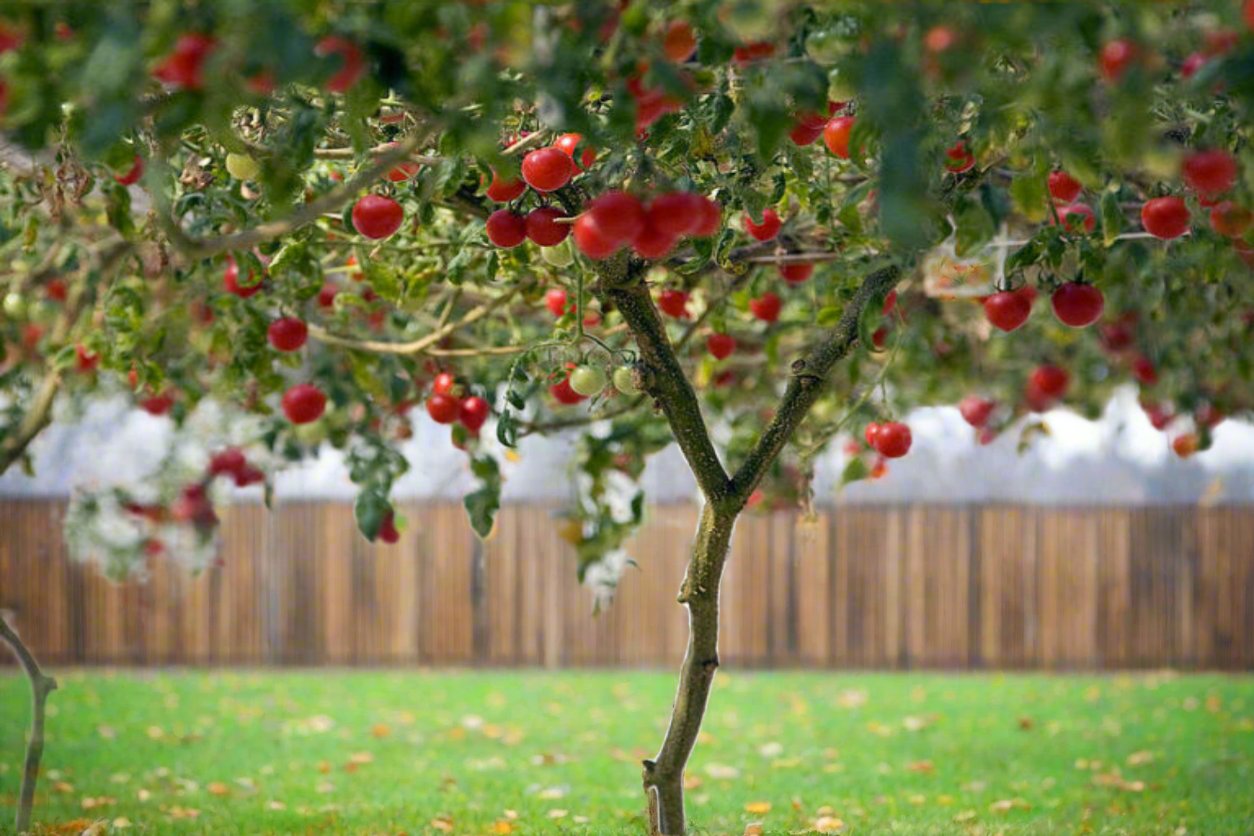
{"type": "Point", "coordinates": [749, 227]}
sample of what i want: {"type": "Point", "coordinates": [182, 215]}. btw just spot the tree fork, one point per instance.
{"type": "Point", "coordinates": [41, 686]}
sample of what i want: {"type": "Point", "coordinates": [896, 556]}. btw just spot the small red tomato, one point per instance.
{"type": "Point", "coordinates": [674, 303]}
{"type": "Point", "coordinates": [1115, 58]}
{"type": "Point", "coordinates": [184, 67]}
{"type": "Point", "coordinates": [836, 135]}
{"type": "Point", "coordinates": [288, 333]}
{"type": "Point", "coordinates": [797, 272]}
{"type": "Point", "coordinates": [1076, 217]}
{"type": "Point", "coordinates": [543, 228]}
{"type": "Point", "coordinates": [1165, 217]}
{"type": "Point", "coordinates": [1229, 219]}
{"type": "Point", "coordinates": [443, 383]}
{"type": "Point", "coordinates": [555, 300]}
{"type": "Point", "coordinates": [569, 143]}
{"type": "Point", "coordinates": [679, 42]}
{"type": "Point", "coordinates": [132, 175]}
{"type": "Point", "coordinates": [473, 412]}
{"type": "Point", "coordinates": [1077, 305]}
{"type": "Point", "coordinates": [304, 403]}
{"type": "Point", "coordinates": [1210, 172]}
{"type": "Point", "coordinates": [976, 410]}
{"type": "Point", "coordinates": [591, 241]}
{"type": "Point", "coordinates": [1064, 187]}
{"type": "Point", "coordinates": [675, 213]}
{"type": "Point", "coordinates": [547, 169]}
{"type": "Point", "coordinates": [711, 220]}
{"type": "Point", "coordinates": [85, 360]}
{"type": "Point", "coordinates": [893, 440]}
{"type": "Point", "coordinates": [1008, 309]}
{"type": "Point", "coordinates": [720, 345]}
{"type": "Point", "coordinates": [376, 216]}
{"type": "Point", "coordinates": [503, 190]}
{"type": "Point", "coordinates": [506, 229]}
{"type": "Point", "coordinates": [230, 280]}
{"type": "Point", "coordinates": [958, 158]}
{"type": "Point", "coordinates": [766, 230]}
{"type": "Point", "coordinates": [619, 216]}
{"type": "Point", "coordinates": [352, 63]}
{"type": "Point", "coordinates": [766, 307]}
{"type": "Point", "coordinates": [443, 409]}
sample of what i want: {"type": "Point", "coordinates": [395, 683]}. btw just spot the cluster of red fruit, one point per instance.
{"type": "Point", "coordinates": [445, 405]}
{"type": "Point", "coordinates": [184, 67]}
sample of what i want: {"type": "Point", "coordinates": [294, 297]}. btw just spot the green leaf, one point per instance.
{"type": "Point", "coordinates": [974, 227]}
{"type": "Point", "coordinates": [1112, 217]}
{"type": "Point", "coordinates": [369, 510]}
{"type": "Point", "coordinates": [482, 504]}
{"type": "Point", "coordinates": [855, 471]}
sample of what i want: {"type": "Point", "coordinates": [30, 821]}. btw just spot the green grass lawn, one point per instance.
{"type": "Point", "coordinates": [529, 752]}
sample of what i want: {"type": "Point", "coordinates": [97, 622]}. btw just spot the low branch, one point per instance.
{"type": "Point", "coordinates": [806, 384]}
{"type": "Point", "coordinates": [41, 686]}
{"type": "Point", "coordinates": [37, 416]}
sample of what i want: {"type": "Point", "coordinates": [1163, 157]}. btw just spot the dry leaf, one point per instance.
{"type": "Point", "coordinates": [443, 823]}
{"type": "Point", "coordinates": [1140, 758]}
{"type": "Point", "coordinates": [379, 730]}
{"type": "Point", "coordinates": [218, 788]}
{"type": "Point", "coordinates": [828, 824]}
{"type": "Point", "coordinates": [557, 814]}
{"type": "Point", "coordinates": [758, 808]}
{"type": "Point", "coordinates": [753, 829]}
{"type": "Point", "coordinates": [922, 767]}
{"type": "Point", "coordinates": [502, 826]}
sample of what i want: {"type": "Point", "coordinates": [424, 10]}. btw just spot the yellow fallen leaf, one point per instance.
{"type": "Point", "coordinates": [218, 788]}
{"type": "Point", "coordinates": [360, 757]}
{"type": "Point", "coordinates": [443, 823]}
{"type": "Point", "coordinates": [753, 829]}
{"type": "Point", "coordinates": [828, 824]}
{"type": "Point", "coordinates": [380, 730]}
{"type": "Point", "coordinates": [1140, 758]}
{"type": "Point", "coordinates": [275, 805]}
{"type": "Point", "coordinates": [557, 814]}
{"type": "Point", "coordinates": [758, 808]}
{"type": "Point", "coordinates": [120, 823]}
{"type": "Point", "coordinates": [922, 767]}
{"type": "Point", "coordinates": [502, 826]}
{"type": "Point", "coordinates": [692, 782]}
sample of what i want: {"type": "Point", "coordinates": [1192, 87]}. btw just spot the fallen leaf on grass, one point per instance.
{"type": "Point", "coordinates": [177, 812]}
{"type": "Point", "coordinates": [691, 782]}
{"type": "Point", "coordinates": [218, 788]}
{"type": "Point", "coordinates": [758, 808]}
{"type": "Point", "coordinates": [1005, 805]}
{"type": "Point", "coordinates": [754, 829]}
{"type": "Point", "coordinates": [557, 814]}
{"type": "Point", "coordinates": [380, 730]}
{"type": "Point", "coordinates": [921, 767]}
{"type": "Point", "coordinates": [1140, 758]}
{"type": "Point", "coordinates": [275, 805]}
{"type": "Point", "coordinates": [92, 802]}
{"type": "Point", "coordinates": [722, 771]}
{"type": "Point", "coordinates": [443, 823]}
{"type": "Point", "coordinates": [828, 824]}
{"type": "Point", "coordinates": [502, 826]}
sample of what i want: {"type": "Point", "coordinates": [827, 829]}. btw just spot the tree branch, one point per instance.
{"type": "Point", "coordinates": [621, 284]}
{"type": "Point", "coordinates": [40, 687]}
{"type": "Point", "coordinates": [33, 422]}
{"type": "Point", "coordinates": [807, 383]}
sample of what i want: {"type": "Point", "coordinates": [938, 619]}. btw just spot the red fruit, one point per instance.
{"type": "Point", "coordinates": [473, 412]}
{"type": "Point", "coordinates": [1165, 217]}
{"type": "Point", "coordinates": [443, 383]}
{"type": "Point", "coordinates": [879, 469]}
{"type": "Point", "coordinates": [387, 529]}
{"type": "Point", "coordinates": [402, 171]}
{"type": "Point", "coordinates": [879, 338]}
{"type": "Point", "coordinates": [720, 345]}
{"type": "Point", "coordinates": [1076, 217]}
{"type": "Point", "coordinates": [675, 213]}
{"type": "Point", "coordinates": [1077, 305]}
{"type": "Point", "coordinates": [1050, 380]}
{"type": "Point", "coordinates": [890, 302]}
{"type": "Point", "coordinates": [766, 230]}
{"type": "Point", "coordinates": [1206, 415]}
{"type": "Point", "coordinates": [56, 290]}
{"type": "Point", "coordinates": [376, 216]}
{"type": "Point", "coordinates": [653, 243]}
{"type": "Point", "coordinates": [443, 409]}
{"type": "Point", "coordinates": [986, 436]}
{"type": "Point", "coordinates": [756, 51]}
{"type": "Point", "coordinates": [1192, 64]}
{"type": "Point", "coordinates": [562, 392]}
{"type": "Point", "coordinates": [193, 506]}
{"type": "Point", "coordinates": [1159, 415]}
{"type": "Point", "coordinates": [304, 403]}
{"type": "Point", "coordinates": [618, 216]}
{"type": "Point", "coordinates": [679, 42]}
{"type": "Point", "coordinates": [766, 307]}
{"type": "Point", "coordinates": [288, 333]}
{"type": "Point", "coordinates": [1230, 220]}
{"type": "Point", "coordinates": [803, 135]}
{"type": "Point", "coordinates": [547, 169]}
{"type": "Point", "coordinates": [506, 228]}
{"type": "Point", "coordinates": [591, 241]}
{"type": "Point", "coordinates": [674, 303]}
{"type": "Point", "coordinates": [1064, 187]}
{"type": "Point", "coordinates": [1185, 445]}
{"type": "Point", "coordinates": [569, 143]}
{"type": "Point", "coordinates": [1249, 15]}
{"type": "Point", "coordinates": [505, 190]}
{"type": "Point", "coordinates": [183, 68]}
{"type": "Point", "coordinates": [976, 410]}
{"type": "Point", "coordinates": [870, 433]}
{"type": "Point", "coordinates": [132, 174]}
{"type": "Point", "coordinates": [85, 360]}
{"type": "Point", "coordinates": [836, 135]}
{"type": "Point", "coordinates": [543, 229]}
{"type": "Point", "coordinates": [711, 219]}
{"type": "Point", "coordinates": [939, 39]}
{"type": "Point", "coordinates": [326, 296]}
{"type": "Point", "coordinates": [892, 441]}
{"type": "Point", "coordinates": [1211, 172]}
{"type": "Point", "coordinates": [157, 404]}
{"type": "Point", "coordinates": [1008, 309]}
{"type": "Point", "coordinates": [352, 62]}
{"type": "Point", "coordinates": [555, 301]}
{"type": "Point", "coordinates": [958, 159]}
{"type": "Point", "coordinates": [796, 273]}
{"type": "Point", "coordinates": [1116, 336]}
{"type": "Point", "coordinates": [1115, 58]}
{"type": "Point", "coordinates": [227, 462]}
{"type": "Point", "coordinates": [1143, 370]}
{"type": "Point", "coordinates": [230, 280]}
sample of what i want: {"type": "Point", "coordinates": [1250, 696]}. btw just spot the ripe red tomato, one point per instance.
{"type": "Point", "coordinates": [720, 345]}
{"type": "Point", "coordinates": [1008, 309]}
{"type": "Point", "coordinates": [387, 528]}
{"type": "Point", "coordinates": [711, 220]}
{"type": "Point", "coordinates": [1143, 370]}
{"type": "Point", "coordinates": [563, 394]}
{"type": "Point", "coordinates": [543, 229]}
{"type": "Point", "coordinates": [675, 213]}
{"type": "Point", "coordinates": [376, 216]}
{"type": "Point", "coordinates": [443, 409]}
{"type": "Point", "coordinates": [288, 333]}
{"type": "Point", "coordinates": [352, 63]}
{"type": "Point", "coordinates": [227, 462]}
{"type": "Point", "coordinates": [304, 403]}
{"type": "Point", "coordinates": [555, 301]}
{"type": "Point", "coordinates": [766, 230]}
{"type": "Point", "coordinates": [1077, 305]}
{"type": "Point", "coordinates": [1165, 217]}
{"type": "Point", "coordinates": [503, 190]}
{"type": "Point", "coordinates": [755, 51]}
{"type": "Point", "coordinates": [1064, 187]}
{"type": "Point", "coordinates": [569, 143]}
{"type": "Point", "coordinates": [56, 290]}
{"type": "Point", "coordinates": [653, 243]}
{"type": "Point", "coordinates": [1159, 415]}
{"type": "Point", "coordinates": [890, 303]}
{"type": "Point", "coordinates": [958, 158]}
{"type": "Point", "coordinates": [803, 135]}
{"type": "Point", "coordinates": [1076, 217]}
{"type": "Point", "coordinates": [547, 169]}
{"type": "Point", "coordinates": [976, 410]}
{"type": "Point", "coordinates": [473, 412]}
{"type": "Point", "coordinates": [132, 174]}
{"type": "Point", "coordinates": [674, 303]}
{"type": "Point", "coordinates": [939, 39]}
{"type": "Point", "coordinates": [893, 440]}
{"type": "Point", "coordinates": [766, 307]}
{"type": "Point", "coordinates": [797, 272]}
{"type": "Point", "coordinates": [230, 280]}
{"type": "Point", "coordinates": [590, 239]}
{"type": "Point", "coordinates": [85, 360]}
{"type": "Point", "coordinates": [1115, 58]}
{"type": "Point", "coordinates": [618, 216]}
{"type": "Point", "coordinates": [679, 42]}
{"type": "Point", "coordinates": [1046, 385]}
{"type": "Point", "coordinates": [1185, 445]}
{"type": "Point", "coordinates": [326, 296]}
{"type": "Point", "coordinates": [836, 135]}
{"type": "Point", "coordinates": [506, 229]}
{"type": "Point", "coordinates": [1118, 335]}
{"type": "Point", "coordinates": [1210, 172]}
{"type": "Point", "coordinates": [1229, 219]}
{"type": "Point", "coordinates": [184, 67]}
{"type": "Point", "coordinates": [443, 383]}
{"type": "Point", "coordinates": [158, 404]}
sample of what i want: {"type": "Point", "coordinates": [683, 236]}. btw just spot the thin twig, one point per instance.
{"type": "Point", "coordinates": [41, 686]}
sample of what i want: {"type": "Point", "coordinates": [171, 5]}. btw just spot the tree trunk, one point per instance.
{"type": "Point", "coordinates": [40, 686]}
{"type": "Point", "coordinates": [664, 775]}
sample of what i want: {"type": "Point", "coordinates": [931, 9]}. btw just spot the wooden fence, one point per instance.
{"type": "Point", "coordinates": [868, 587]}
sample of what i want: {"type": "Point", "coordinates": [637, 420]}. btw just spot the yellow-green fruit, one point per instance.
{"type": "Point", "coordinates": [311, 434]}
{"type": "Point", "coordinates": [625, 380]}
{"type": "Point", "coordinates": [559, 256]}
{"type": "Point", "coordinates": [839, 87]}
{"type": "Point", "coordinates": [242, 166]}
{"type": "Point", "coordinates": [587, 380]}
{"type": "Point", "coordinates": [15, 305]}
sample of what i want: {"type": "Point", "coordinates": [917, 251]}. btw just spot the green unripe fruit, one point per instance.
{"type": "Point", "coordinates": [587, 380]}
{"type": "Point", "coordinates": [839, 87]}
{"type": "Point", "coordinates": [242, 167]}
{"type": "Point", "coordinates": [559, 256]}
{"type": "Point", "coordinates": [15, 305]}
{"type": "Point", "coordinates": [625, 380]}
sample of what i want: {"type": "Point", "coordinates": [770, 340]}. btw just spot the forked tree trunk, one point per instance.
{"type": "Point", "coordinates": [664, 775]}
{"type": "Point", "coordinates": [40, 686]}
